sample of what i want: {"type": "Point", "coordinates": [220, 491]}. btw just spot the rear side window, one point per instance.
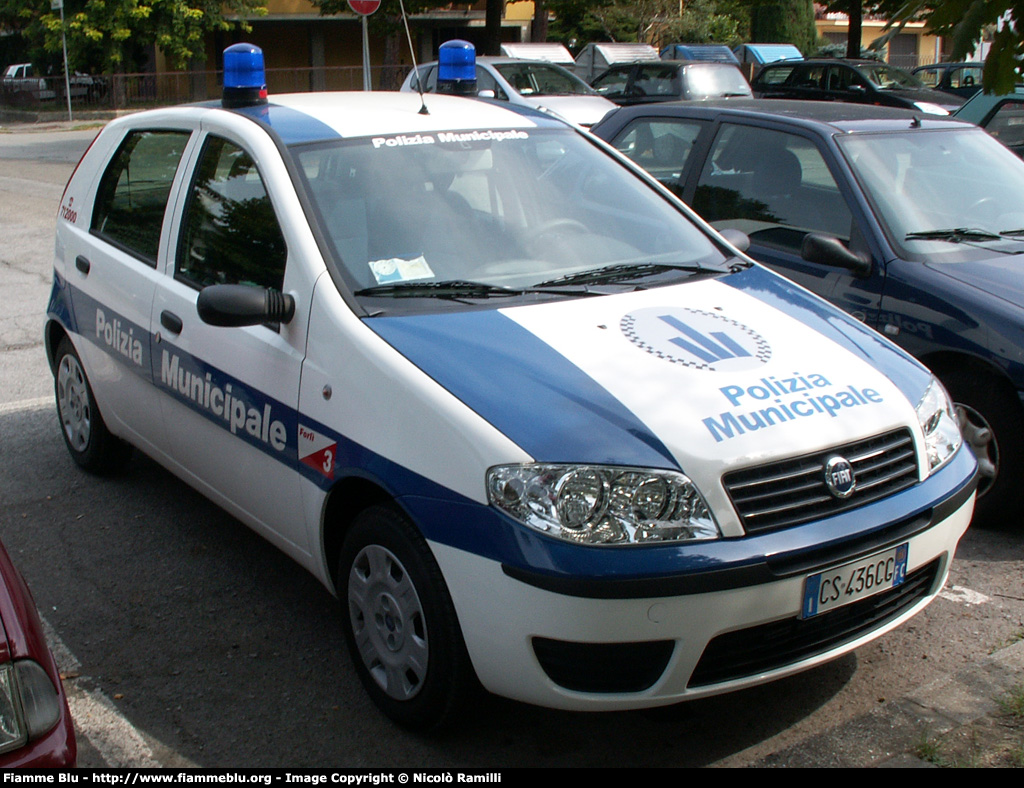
{"type": "Point", "coordinates": [132, 196]}
{"type": "Point", "coordinates": [231, 234]}
{"type": "Point", "coordinates": [774, 76]}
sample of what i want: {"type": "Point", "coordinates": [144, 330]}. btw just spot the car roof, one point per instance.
{"type": "Point", "coordinates": [957, 64]}
{"type": "Point", "coordinates": [826, 116]}
{"type": "Point", "coordinates": [830, 61]}
{"type": "Point", "coordinates": [315, 117]}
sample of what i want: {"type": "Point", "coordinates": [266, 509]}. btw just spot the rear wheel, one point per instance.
{"type": "Point", "coordinates": [89, 442]}
{"type": "Point", "coordinates": [399, 622]}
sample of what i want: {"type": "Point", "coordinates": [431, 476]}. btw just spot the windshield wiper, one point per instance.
{"type": "Point", "coordinates": [954, 235]}
{"type": "Point", "coordinates": [458, 288]}
{"type": "Point", "coordinates": [1012, 233]}
{"type": "Point", "coordinates": [624, 271]}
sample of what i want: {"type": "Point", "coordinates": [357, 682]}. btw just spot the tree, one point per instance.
{"type": "Point", "coordinates": [964, 22]}
{"type": "Point", "coordinates": [102, 34]}
{"type": "Point", "coordinates": [654, 21]}
{"type": "Point", "coordinates": [785, 22]}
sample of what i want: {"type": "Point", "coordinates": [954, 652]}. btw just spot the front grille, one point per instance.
{"type": "Point", "coordinates": [790, 492]}
{"type": "Point", "coordinates": [748, 652]}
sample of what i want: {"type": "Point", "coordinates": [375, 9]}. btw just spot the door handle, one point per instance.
{"type": "Point", "coordinates": [82, 264]}
{"type": "Point", "coordinates": [171, 322]}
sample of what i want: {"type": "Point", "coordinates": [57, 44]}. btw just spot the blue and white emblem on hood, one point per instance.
{"type": "Point", "coordinates": [695, 338]}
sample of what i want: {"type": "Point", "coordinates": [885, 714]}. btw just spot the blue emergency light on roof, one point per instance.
{"type": "Point", "coordinates": [245, 82]}
{"type": "Point", "coordinates": [456, 68]}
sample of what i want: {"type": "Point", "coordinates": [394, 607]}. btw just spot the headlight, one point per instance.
{"type": "Point", "coordinates": [602, 505]}
{"type": "Point", "coordinates": [941, 432]}
{"type": "Point", "coordinates": [29, 704]}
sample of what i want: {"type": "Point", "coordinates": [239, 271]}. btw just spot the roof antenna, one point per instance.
{"type": "Point", "coordinates": [412, 54]}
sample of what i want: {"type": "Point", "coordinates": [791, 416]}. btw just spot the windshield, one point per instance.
{"type": "Point", "coordinates": [542, 79]}
{"type": "Point", "coordinates": [888, 78]}
{"type": "Point", "coordinates": [503, 208]}
{"type": "Point", "coordinates": [925, 185]}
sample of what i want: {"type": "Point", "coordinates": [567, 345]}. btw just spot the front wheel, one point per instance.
{"type": "Point", "coordinates": [89, 442]}
{"type": "Point", "coordinates": [992, 422]}
{"type": "Point", "coordinates": [399, 622]}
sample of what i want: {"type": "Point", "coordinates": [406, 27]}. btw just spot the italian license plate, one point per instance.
{"type": "Point", "coordinates": [856, 580]}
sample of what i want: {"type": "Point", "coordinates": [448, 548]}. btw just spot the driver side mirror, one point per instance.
{"type": "Point", "coordinates": [243, 305]}
{"type": "Point", "coordinates": [829, 250]}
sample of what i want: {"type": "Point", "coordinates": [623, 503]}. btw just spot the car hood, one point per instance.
{"type": "Point", "coordinates": [703, 376]}
{"type": "Point", "coordinates": [581, 110]}
{"type": "Point", "coordinates": [947, 101]}
{"type": "Point", "coordinates": [998, 276]}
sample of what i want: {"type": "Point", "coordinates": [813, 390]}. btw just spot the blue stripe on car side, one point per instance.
{"type": "Point", "coordinates": [517, 382]}
{"type": "Point", "coordinates": [900, 367]}
{"type": "Point", "coordinates": [447, 517]}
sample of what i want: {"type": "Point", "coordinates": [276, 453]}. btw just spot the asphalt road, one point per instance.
{"type": "Point", "coordinates": [185, 639]}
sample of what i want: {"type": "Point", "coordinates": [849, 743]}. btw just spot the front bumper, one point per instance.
{"type": "Point", "coordinates": [603, 643]}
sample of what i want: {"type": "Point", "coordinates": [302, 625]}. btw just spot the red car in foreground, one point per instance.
{"type": "Point", "coordinates": [35, 725]}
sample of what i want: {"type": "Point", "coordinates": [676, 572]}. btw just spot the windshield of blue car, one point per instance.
{"type": "Point", "coordinates": [507, 208]}
{"type": "Point", "coordinates": [542, 79]}
{"type": "Point", "coordinates": [942, 195]}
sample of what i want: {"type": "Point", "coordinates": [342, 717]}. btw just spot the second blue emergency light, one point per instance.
{"type": "Point", "coordinates": [456, 68]}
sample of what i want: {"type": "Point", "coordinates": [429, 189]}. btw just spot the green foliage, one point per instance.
{"type": "Point", "coordinates": [578, 22]}
{"type": "Point", "coordinates": [784, 22]}
{"type": "Point", "coordinates": [103, 34]}
{"type": "Point", "coordinates": [964, 22]}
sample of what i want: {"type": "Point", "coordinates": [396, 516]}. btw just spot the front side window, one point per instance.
{"type": "Point", "coordinates": [930, 76]}
{"type": "Point", "coordinates": [966, 77]}
{"type": "Point", "coordinates": [774, 186]}
{"type": "Point", "coordinates": [612, 84]}
{"type": "Point", "coordinates": [230, 234]}
{"type": "Point", "coordinates": [661, 146]}
{"type": "Point", "coordinates": [132, 195]}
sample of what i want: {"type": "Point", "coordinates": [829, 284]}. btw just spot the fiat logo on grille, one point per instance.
{"type": "Point", "coordinates": [839, 477]}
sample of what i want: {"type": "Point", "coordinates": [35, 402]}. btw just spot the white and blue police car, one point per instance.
{"type": "Point", "coordinates": [530, 418]}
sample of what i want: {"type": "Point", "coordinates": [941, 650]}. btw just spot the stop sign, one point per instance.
{"type": "Point", "coordinates": [364, 7]}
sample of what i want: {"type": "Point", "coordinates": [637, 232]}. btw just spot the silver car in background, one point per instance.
{"type": "Point", "coordinates": [532, 83]}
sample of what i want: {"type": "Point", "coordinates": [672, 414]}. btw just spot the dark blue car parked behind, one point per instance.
{"type": "Point", "coordinates": [911, 222]}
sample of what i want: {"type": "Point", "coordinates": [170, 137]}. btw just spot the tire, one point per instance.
{"type": "Point", "coordinates": [399, 623]}
{"type": "Point", "coordinates": [992, 422]}
{"type": "Point", "coordinates": [89, 442]}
